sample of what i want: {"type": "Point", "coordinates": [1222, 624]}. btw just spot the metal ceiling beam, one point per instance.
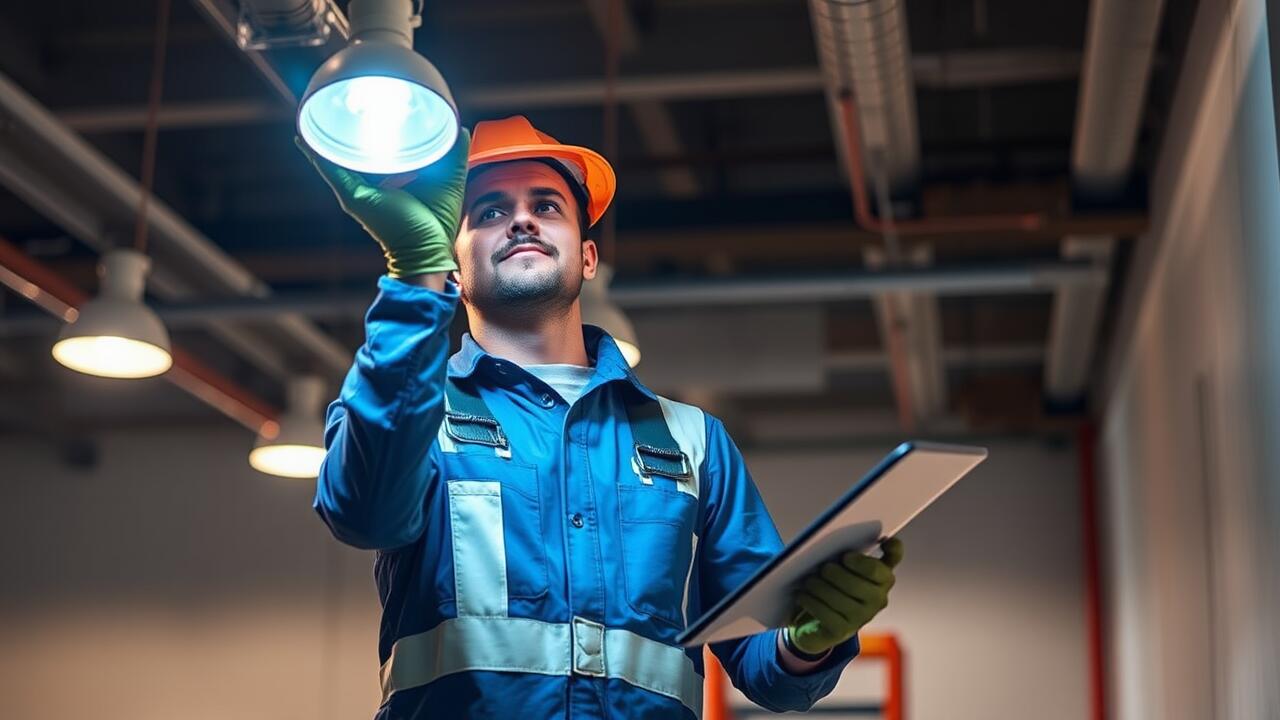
{"type": "Point", "coordinates": [1006, 279]}
{"type": "Point", "coordinates": [994, 68]}
{"type": "Point", "coordinates": [176, 116]}
{"type": "Point", "coordinates": [970, 68]}
{"type": "Point", "coordinates": [685, 86]}
{"type": "Point", "coordinates": [970, 358]}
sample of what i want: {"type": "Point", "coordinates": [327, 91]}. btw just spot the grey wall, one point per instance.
{"type": "Point", "coordinates": [988, 604]}
{"type": "Point", "coordinates": [1192, 402]}
{"type": "Point", "coordinates": [173, 581]}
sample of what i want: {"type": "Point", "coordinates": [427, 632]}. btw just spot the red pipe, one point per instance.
{"type": "Point", "coordinates": [53, 293]}
{"type": "Point", "coordinates": [1019, 222]}
{"type": "Point", "coordinates": [1092, 572]}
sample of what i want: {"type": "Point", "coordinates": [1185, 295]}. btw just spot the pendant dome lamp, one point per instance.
{"type": "Point", "coordinates": [115, 335]}
{"type": "Point", "coordinates": [599, 310]}
{"type": "Point", "coordinates": [377, 106]}
{"type": "Point", "coordinates": [293, 446]}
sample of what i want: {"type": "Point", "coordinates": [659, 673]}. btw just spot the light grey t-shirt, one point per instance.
{"type": "Point", "coordinates": [568, 380]}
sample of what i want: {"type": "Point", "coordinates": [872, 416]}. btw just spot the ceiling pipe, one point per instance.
{"type": "Point", "coordinates": [54, 294]}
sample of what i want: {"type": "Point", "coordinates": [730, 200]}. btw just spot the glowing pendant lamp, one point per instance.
{"type": "Point", "coordinates": [377, 106]}
{"type": "Point", "coordinates": [599, 310]}
{"type": "Point", "coordinates": [294, 446]}
{"type": "Point", "coordinates": [115, 335]}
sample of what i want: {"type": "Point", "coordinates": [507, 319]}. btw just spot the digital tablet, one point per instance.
{"type": "Point", "coordinates": [877, 507]}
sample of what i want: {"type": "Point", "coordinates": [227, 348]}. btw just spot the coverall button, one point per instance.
{"type": "Point", "coordinates": [547, 400]}
{"type": "Point", "coordinates": [577, 520]}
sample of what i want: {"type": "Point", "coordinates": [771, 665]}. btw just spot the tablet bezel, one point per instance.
{"type": "Point", "coordinates": [869, 479]}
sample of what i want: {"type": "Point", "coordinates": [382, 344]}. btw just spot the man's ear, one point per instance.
{"type": "Point", "coordinates": [590, 259]}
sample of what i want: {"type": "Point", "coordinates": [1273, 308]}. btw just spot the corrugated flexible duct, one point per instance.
{"type": "Point", "coordinates": [863, 47]}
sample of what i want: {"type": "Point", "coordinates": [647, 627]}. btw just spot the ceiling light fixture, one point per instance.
{"type": "Point", "coordinates": [115, 335]}
{"type": "Point", "coordinates": [377, 106]}
{"type": "Point", "coordinates": [293, 446]}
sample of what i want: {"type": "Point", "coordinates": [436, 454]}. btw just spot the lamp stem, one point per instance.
{"type": "Point", "coordinates": [389, 21]}
{"type": "Point", "coordinates": [123, 274]}
{"type": "Point", "coordinates": [153, 124]}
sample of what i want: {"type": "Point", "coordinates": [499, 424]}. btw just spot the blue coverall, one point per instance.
{"type": "Point", "coordinates": [549, 581]}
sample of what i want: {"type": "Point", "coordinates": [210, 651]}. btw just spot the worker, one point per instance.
{"type": "Point", "coordinates": [545, 525]}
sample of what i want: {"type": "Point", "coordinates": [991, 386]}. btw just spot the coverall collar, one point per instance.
{"type": "Point", "coordinates": [602, 351]}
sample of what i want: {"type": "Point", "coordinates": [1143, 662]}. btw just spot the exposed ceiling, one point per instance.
{"type": "Point", "coordinates": [728, 168]}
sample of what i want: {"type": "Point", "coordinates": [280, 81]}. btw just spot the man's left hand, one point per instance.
{"type": "Point", "coordinates": [837, 600]}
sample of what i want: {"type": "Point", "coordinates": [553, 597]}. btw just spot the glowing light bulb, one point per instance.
{"type": "Point", "coordinates": [378, 124]}
{"type": "Point", "coordinates": [380, 106]}
{"type": "Point", "coordinates": [115, 357]}
{"type": "Point", "coordinates": [377, 106]}
{"type": "Point", "coordinates": [295, 461]}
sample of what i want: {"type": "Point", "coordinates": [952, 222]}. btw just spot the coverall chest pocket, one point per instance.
{"type": "Point", "coordinates": [495, 518]}
{"type": "Point", "coordinates": [657, 549]}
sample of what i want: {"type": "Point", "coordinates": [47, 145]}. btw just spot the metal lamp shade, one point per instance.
{"type": "Point", "coordinates": [378, 107]}
{"type": "Point", "coordinates": [115, 335]}
{"type": "Point", "coordinates": [296, 451]}
{"type": "Point", "coordinates": [293, 446]}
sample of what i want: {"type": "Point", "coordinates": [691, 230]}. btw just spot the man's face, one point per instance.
{"type": "Point", "coordinates": [519, 246]}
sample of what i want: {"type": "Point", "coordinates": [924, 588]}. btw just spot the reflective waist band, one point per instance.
{"type": "Point", "coordinates": [508, 644]}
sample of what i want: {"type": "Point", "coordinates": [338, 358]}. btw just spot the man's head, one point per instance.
{"type": "Point", "coordinates": [522, 245]}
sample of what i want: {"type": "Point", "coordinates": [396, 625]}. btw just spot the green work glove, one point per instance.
{"type": "Point", "coordinates": [838, 599]}
{"type": "Point", "coordinates": [416, 221]}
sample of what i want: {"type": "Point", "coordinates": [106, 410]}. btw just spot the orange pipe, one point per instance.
{"type": "Point", "coordinates": [55, 294]}
{"type": "Point", "coordinates": [887, 648]}
{"type": "Point", "coordinates": [1019, 222]}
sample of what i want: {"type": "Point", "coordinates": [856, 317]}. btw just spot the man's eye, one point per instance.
{"type": "Point", "coordinates": [489, 213]}
{"type": "Point", "coordinates": [548, 206]}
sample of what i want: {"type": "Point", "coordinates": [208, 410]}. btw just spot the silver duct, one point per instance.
{"type": "Point", "coordinates": [863, 47]}
{"type": "Point", "coordinates": [1117, 65]}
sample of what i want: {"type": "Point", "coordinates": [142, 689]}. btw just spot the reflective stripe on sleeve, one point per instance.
{"type": "Point", "coordinates": [507, 644]}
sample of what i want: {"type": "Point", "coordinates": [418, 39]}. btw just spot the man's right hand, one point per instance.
{"type": "Point", "coordinates": [415, 223]}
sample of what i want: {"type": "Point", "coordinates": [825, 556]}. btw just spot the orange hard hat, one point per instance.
{"type": "Point", "coordinates": [515, 138]}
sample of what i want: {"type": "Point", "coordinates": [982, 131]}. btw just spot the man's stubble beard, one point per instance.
{"type": "Point", "coordinates": [527, 297]}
